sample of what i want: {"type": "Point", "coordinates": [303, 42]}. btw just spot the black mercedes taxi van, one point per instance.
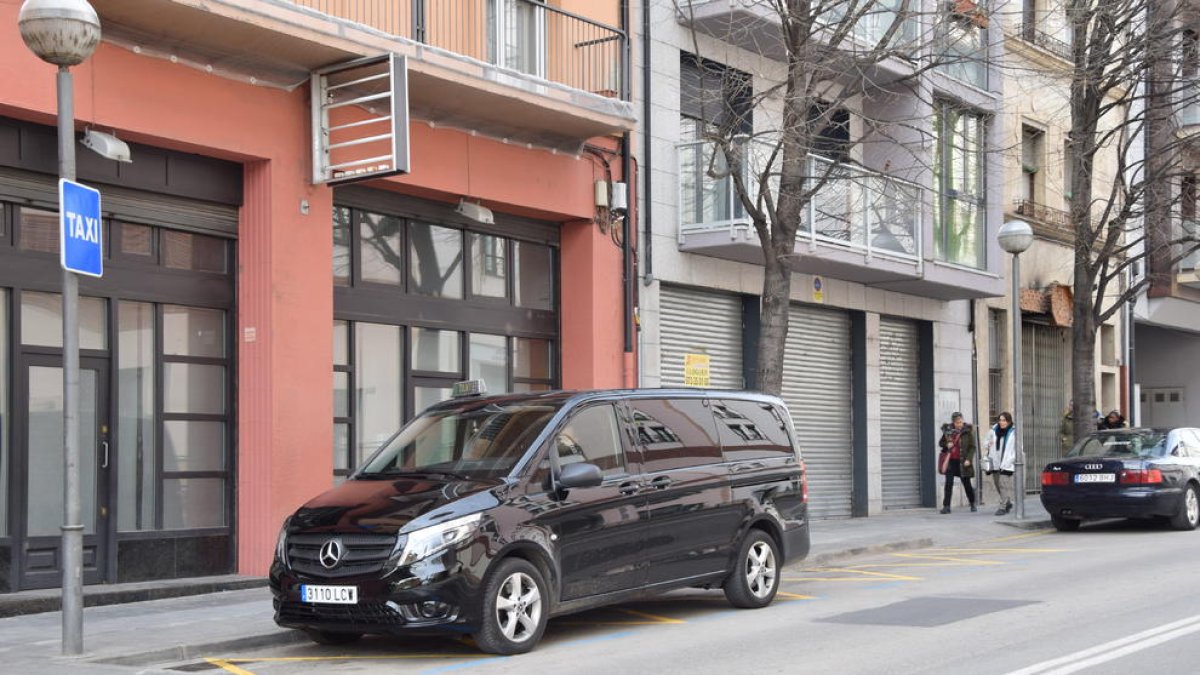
{"type": "Point", "coordinates": [489, 515]}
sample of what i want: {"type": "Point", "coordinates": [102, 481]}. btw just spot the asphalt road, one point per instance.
{"type": "Point", "coordinates": [1112, 598]}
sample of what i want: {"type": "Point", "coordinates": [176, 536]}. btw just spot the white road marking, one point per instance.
{"type": "Point", "coordinates": [1111, 651]}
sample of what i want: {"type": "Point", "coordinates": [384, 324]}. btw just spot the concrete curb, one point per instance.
{"type": "Point", "coordinates": [38, 602]}
{"type": "Point", "coordinates": [1027, 524]}
{"type": "Point", "coordinates": [821, 559]}
{"type": "Point", "coordinates": [189, 653]}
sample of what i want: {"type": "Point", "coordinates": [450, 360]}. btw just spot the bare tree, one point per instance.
{"type": "Point", "coordinates": [1127, 84]}
{"type": "Point", "coordinates": [838, 57]}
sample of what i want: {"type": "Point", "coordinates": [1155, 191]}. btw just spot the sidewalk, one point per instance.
{"type": "Point", "coordinates": [123, 638]}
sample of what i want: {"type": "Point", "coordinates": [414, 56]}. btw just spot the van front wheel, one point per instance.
{"type": "Point", "coordinates": [515, 607]}
{"type": "Point", "coordinates": [755, 578]}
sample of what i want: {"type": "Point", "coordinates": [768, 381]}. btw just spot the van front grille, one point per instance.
{"type": "Point", "coordinates": [367, 614]}
{"type": "Point", "coordinates": [362, 554]}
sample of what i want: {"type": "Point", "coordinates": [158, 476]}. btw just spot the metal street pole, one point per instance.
{"type": "Point", "coordinates": [72, 529]}
{"type": "Point", "coordinates": [1018, 411]}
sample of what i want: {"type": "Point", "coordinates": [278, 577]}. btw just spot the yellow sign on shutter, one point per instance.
{"type": "Point", "coordinates": [695, 370]}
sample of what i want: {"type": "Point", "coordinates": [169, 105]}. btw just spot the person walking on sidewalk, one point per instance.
{"type": "Point", "coordinates": [1000, 460]}
{"type": "Point", "coordinates": [958, 438]}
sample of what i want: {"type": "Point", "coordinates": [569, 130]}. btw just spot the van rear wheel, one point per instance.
{"type": "Point", "coordinates": [515, 608]}
{"type": "Point", "coordinates": [755, 578]}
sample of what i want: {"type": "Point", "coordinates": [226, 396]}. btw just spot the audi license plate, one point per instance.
{"type": "Point", "coordinates": [329, 595]}
{"type": "Point", "coordinates": [1096, 478]}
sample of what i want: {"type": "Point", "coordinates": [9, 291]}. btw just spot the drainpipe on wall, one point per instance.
{"type": "Point", "coordinates": [628, 270]}
{"type": "Point", "coordinates": [971, 328]}
{"type": "Point", "coordinates": [647, 167]}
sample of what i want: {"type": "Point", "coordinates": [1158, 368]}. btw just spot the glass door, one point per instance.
{"type": "Point", "coordinates": [41, 446]}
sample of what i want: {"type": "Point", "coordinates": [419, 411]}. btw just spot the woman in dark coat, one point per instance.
{"type": "Point", "coordinates": [958, 438]}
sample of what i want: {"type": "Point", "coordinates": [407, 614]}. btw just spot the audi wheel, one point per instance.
{"type": "Point", "coordinates": [1188, 516]}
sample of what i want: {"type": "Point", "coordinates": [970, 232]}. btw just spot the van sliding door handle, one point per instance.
{"type": "Point", "coordinates": [661, 482]}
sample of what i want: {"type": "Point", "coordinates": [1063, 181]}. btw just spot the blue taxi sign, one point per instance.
{"type": "Point", "coordinates": [81, 247]}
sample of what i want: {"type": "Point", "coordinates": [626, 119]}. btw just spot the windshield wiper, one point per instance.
{"type": "Point", "coordinates": [392, 473]}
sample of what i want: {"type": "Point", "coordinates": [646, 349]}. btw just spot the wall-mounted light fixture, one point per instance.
{"type": "Point", "coordinates": [476, 212]}
{"type": "Point", "coordinates": [106, 145]}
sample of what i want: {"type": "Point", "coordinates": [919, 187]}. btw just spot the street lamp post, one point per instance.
{"type": "Point", "coordinates": [1016, 237]}
{"type": "Point", "coordinates": [65, 33]}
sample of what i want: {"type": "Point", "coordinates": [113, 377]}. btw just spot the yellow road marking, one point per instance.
{"type": "Point", "coordinates": [228, 667]}
{"type": "Point", "coordinates": [228, 663]}
{"type": "Point", "coordinates": [1024, 535]}
{"type": "Point", "coordinates": [873, 576]}
{"type": "Point", "coordinates": [653, 617]}
{"type": "Point", "coordinates": [795, 596]}
{"type": "Point", "coordinates": [967, 561]}
{"type": "Point", "coordinates": [983, 551]}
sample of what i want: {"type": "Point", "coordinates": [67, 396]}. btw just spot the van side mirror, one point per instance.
{"type": "Point", "coordinates": [580, 475]}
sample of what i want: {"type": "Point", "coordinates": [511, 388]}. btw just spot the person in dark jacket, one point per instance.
{"type": "Point", "coordinates": [958, 439]}
{"type": "Point", "coordinates": [1113, 420]}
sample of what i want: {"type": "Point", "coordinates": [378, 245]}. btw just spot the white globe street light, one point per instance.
{"type": "Point", "coordinates": [1016, 237]}
{"type": "Point", "coordinates": [65, 33]}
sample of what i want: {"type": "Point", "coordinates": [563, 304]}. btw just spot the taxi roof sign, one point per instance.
{"type": "Point", "coordinates": [468, 388]}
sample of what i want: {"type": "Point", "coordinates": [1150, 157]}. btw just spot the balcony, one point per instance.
{"type": "Point", "coordinates": [514, 69]}
{"type": "Point", "coordinates": [1030, 33]}
{"type": "Point", "coordinates": [755, 26]}
{"type": "Point", "coordinates": [861, 224]}
{"type": "Point", "coordinates": [1047, 222]}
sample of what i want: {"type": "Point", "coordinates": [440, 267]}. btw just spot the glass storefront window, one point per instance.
{"type": "Point", "coordinates": [489, 361]}
{"type": "Point", "coordinates": [379, 398]}
{"type": "Point", "coordinates": [193, 388]}
{"type": "Point", "coordinates": [5, 415]}
{"type": "Point", "coordinates": [489, 266]}
{"type": "Point", "coordinates": [341, 343]}
{"type": "Point", "coordinates": [136, 442]}
{"type": "Point", "coordinates": [531, 359]}
{"type": "Point", "coordinates": [379, 248]}
{"type": "Point", "coordinates": [136, 240]}
{"type": "Point", "coordinates": [341, 394]}
{"type": "Point", "coordinates": [189, 445]}
{"type": "Point", "coordinates": [535, 279]}
{"type": "Point", "coordinates": [423, 397]}
{"type": "Point", "coordinates": [196, 252]}
{"type": "Point", "coordinates": [192, 331]}
{"type": "Point", "coordinates": [193, 502]}
{"type": "Point", "coordinates": [39, 230]}
{"type": "Point", "coordinates": [41, 321]}
{"type": "Point", "coordinates": [436, 260]}
{"type": "Point", "coordinates": [341, 246]}
{"type": "Point", "coordinates": [341, 446]}
{"type": "Point", "coordinates": [436, 350]}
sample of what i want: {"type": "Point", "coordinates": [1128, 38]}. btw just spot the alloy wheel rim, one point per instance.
{"type": "Point", "coordinates": [1193, 506]}
{"type": "Point", "coordinates": [760, 569]}
{"type": "Point", "coordinates": [518, 607]}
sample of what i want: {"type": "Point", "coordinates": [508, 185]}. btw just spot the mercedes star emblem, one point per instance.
{"type": "Point", "coordinates": [331, 553]}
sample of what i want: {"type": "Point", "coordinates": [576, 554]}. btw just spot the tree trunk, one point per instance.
{"type": "Point", "coordinates": [777, 286]}
{"type": "Point", "coordinates": [1083, 357]}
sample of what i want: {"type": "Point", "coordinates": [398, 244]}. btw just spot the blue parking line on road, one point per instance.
{"type": "Point", "coordinates": [464, 664]}
{"type": "Point", "coordinates": [598, 638]}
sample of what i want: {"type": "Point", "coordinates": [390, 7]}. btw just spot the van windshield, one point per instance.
{"type": "Point", "coordinates": [481, 441]}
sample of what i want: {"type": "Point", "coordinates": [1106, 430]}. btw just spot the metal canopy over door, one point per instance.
{"type": "Point", "coordinates": [701, 322]}
{"type": "Point", "coordinates": [1046, 378]}
{"type": "Point", "coordinates": [899, 411]}
{"type": "Point", "coordinates": [817, 390]}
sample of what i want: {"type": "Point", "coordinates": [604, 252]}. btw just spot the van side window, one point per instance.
{"type": "Point", "coordinates": [674, 433]}
{"type": "Point", "coordinates": [751, 430]}
{"type": "Point", "coordinates": [591, 435]}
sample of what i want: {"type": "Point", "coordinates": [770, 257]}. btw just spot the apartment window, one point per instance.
{"type": "Point", "coordinates": [964, 42]}
{"type": "Point", "coordinates": [997, 327]}
{"type": "Point", "coordinates": [1031, 163]}
{"type": "Point", "coordinates": [1067, 162]}
{"type": "Point", "coordinates": [714, 100]}
{"type": "Point", "coordinates": [832, 131]}
{"type": "Point", "coordinates": [1187, 198]}
{"type": "Point", "coordinates": [960, 228]}
{"type": "Point", "coordinates": [517, 35]}
{"type": "Point", "coordinates": [1191, 55]}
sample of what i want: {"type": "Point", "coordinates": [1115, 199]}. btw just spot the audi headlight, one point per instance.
{"type": "Point", "coordinates": [281, 542]}
{"type": "Point", "coordinates": [429, 541]}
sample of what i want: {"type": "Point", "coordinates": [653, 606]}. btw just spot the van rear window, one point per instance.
{"type": "Point", "coordinates": [751, 430]}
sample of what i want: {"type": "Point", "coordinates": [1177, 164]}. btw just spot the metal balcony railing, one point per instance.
{"type": "Point", "coordinates": [522, 35]}
{"type": "Point", "coordinates": [855, 208]}
{"type": "Point", "coordinates": [1031, 34]}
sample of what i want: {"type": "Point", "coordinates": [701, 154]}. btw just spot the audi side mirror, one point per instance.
{"type": "Point", "coordinates": [580, 475]}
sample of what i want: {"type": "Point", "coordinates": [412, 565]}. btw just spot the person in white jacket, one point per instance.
{"type": "Point", "coordinates": [1001, 458]}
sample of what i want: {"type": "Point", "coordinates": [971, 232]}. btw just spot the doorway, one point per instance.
{"type": "Point", "coordinates": [39, 453]}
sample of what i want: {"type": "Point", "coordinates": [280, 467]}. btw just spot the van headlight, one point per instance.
{"type": "Point", "coordinates": [281, 541]}
{"type": "Point", "coordinates": [429, 541]}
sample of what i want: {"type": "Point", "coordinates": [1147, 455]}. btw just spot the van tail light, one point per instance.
{"type": "Point", "coordinates": [1141, 476]}
{"type": "Point", "coordinates": [1055, 478]}
{"type": "Point", "coordinates": [803, 482]}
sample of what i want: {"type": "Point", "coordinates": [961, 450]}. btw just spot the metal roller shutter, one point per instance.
{"type": "Point", "coordinates": [1046, 366]}
{"type": "Point", "coordinates": [899, 409]}
{"type": "Point", "coordinates": [700, 322]}
{"type": "Point", "coordinates": [817, 390]}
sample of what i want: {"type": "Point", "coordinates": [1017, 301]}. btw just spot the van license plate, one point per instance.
{"type": "Point", "coordinates": [1096, 478]}
{"type": "Point", "coordinates": [329, 595]}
